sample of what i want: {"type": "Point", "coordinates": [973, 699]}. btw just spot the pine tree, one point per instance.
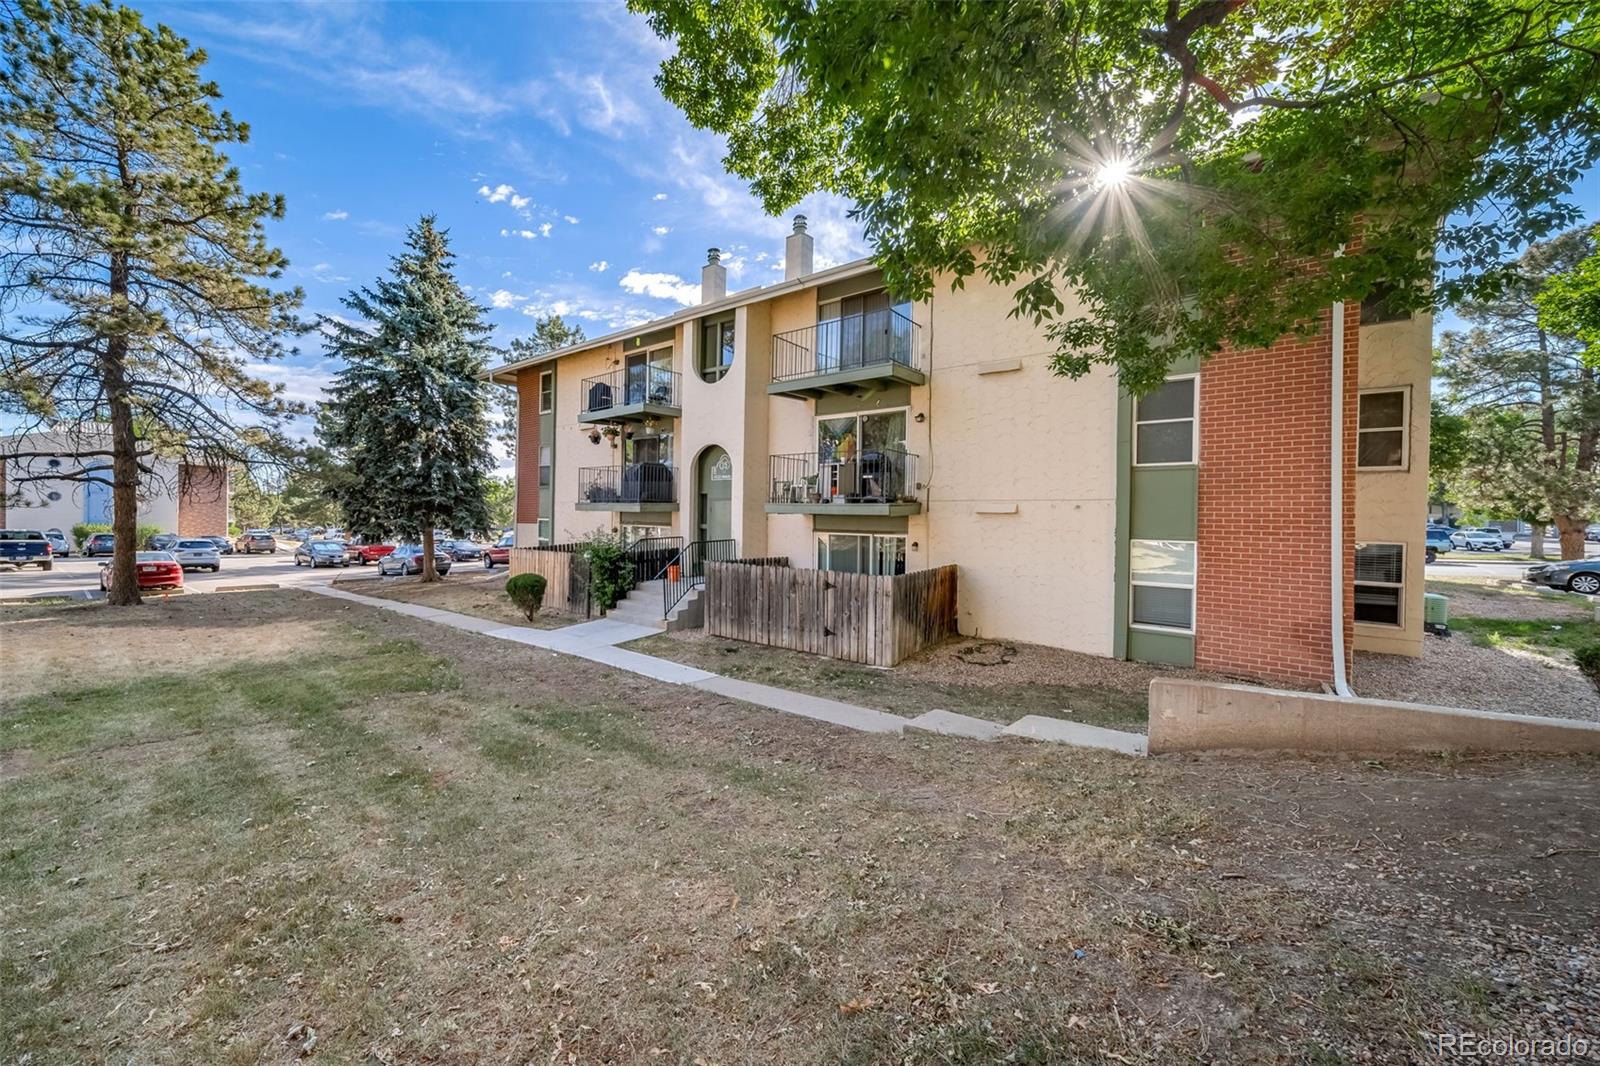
{"type": "Point", "coordinates": [408, 419]}
{"type": "Point", "coordinates": [130, 256]}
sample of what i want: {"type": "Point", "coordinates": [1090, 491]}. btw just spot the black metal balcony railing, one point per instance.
{"type": "Point", "coordinates": [884, 475]}
{"type": "Point", "coordinates": [875, 338]}
{"type": "Point", "coordinates": [633, 483]}
{"type": "Point", "coordinates": [632, 385]}
{"type": "Point", "coordinates": [650, 556]}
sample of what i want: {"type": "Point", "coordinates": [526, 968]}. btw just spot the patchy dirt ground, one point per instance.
{"type": "Point", "coordinates": [1513, 600]}
{"type": "Point", "coordinates": [410, 844]}
{"type": "Point", "coordinates": [467, 590]}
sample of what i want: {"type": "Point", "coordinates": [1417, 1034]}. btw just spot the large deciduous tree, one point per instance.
{"type": "Point", "coordinates": [1532, 400]}
{"type": "Point", "coordinates": [1188, 169]}
{"type": "Point", "coordinates": [408, 418]}
{"type": "Point", "coordinates": [131, 260]}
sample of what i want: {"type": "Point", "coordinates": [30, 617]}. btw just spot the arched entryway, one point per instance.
{"type": "Point", "coordinates": [714, 495]}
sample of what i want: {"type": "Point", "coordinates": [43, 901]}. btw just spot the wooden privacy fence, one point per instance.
{"type": "Point", "coordinates": [565, 571]}
{"type": "Point", "coordinates": [855, 617]}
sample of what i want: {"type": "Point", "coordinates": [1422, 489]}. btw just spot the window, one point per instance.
{"type": "Point", "coordinates": [861, 553]}
{"type": "Point", "coordinates": [863, 457]}
{"type": "Point", "coordinates": [716, 347]}
{"type": "Point", "coordinates": [547, 392]}
{"type": "Point", "coordinates": [52, 496]}
{"type": "Point", "coordinates": [1380, 583]}
{"type": "Point", "coordinates": [1162, 580]}
{"type": "Point", "coordinates": [1164, 424]}
{"type": "Point", "coordinates": [546, 527]}
{"type": "Point", "coordinates": [1382, 305]}
{"type": "Point", "coordinates": [864, 330]}
{"type": "Point", "coordinates": [544, 466]}
{"type": "Point", "coordinates": [1381, 429]}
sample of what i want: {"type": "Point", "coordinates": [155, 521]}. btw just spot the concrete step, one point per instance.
{"type": "Point", "coordinates": [957, 725]}
{"type": "Point", "coordinates": [1060, 731]}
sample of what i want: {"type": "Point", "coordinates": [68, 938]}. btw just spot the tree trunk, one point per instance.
{"type": "Point", "coordinates": [1571, 528]}
{"type": "Point", "coordinates": [428, 572]}
{"type": "Point", "coordinates": [1536, 540]}
{"type": "Point", "coordinates": [124, 591]}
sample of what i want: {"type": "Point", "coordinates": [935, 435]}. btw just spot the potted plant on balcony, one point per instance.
{"type": "Point", "coordinates": [611, 434]}
{"type": "Point", "coordinates": [594, 436]}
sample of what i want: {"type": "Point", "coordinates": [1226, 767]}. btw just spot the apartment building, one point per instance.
{"type": "Point", "coordinates": [822, 419]}
{"type": "Point", "coordinates": [42, 486]}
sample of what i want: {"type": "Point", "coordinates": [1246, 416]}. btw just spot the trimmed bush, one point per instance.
{"type": "Point", "coordinates": [82, 531]}
{"type": "Point", "coordinates": [527, 592]}
{"type": "Point", "coordinates": [1588, 659]}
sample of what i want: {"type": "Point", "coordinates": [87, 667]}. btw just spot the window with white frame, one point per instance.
{"type": "Point", "coordinates": [716, 347]}
{"type": "Point", "coordinates": [1382, 423]}
{"type": "Point", "coordinates": [1380, 584]}
{"type": "Point", "coordinates": [547, 392]}
{"type": "Point", "coordinates": [544, 466]}
{"type": "Point", "coordinates": [1164, 424]}
{"type": "Point", "coordinates": [1161, 576]}
{"type": "Point", "coordinates": [861, 553]}
{"type": "Point", "coordinates": [546, 527]}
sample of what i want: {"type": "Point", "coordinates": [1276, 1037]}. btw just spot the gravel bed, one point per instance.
{"type": "Point", "coordinates": [1454, 672]}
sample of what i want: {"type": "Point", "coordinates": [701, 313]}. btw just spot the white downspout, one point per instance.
{"type": "Point", "coordinates": [1341, 683]}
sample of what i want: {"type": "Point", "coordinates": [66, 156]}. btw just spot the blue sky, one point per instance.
{"type": "Point", "coordinates": [533, 131]}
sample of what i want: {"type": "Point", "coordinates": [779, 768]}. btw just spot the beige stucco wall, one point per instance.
{"type": "Point", "coordinates": [1021, 477]}
{"type": "Point", "coordinates": [573, 451]}
{"type": "Point", "coordinates": [28, 504]}
{"type": "Point", "coordinates": [1392, 505]}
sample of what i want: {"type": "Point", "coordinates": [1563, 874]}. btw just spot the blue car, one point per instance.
{"type": "Point", "coordinates": [1438, 541]}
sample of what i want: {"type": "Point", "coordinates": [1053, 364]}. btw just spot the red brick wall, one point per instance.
{"type": "Point", "coordinates": [1262, 596]}
{"type": "Point", "coordinates": [202, 501]}
{"type": "Point", "coordinates": [528, 447]}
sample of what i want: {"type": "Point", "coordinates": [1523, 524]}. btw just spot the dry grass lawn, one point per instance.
{"type": "Point", "coordinates": [393, 842]}
{"type": "Point", "coordinates": [466, 589]}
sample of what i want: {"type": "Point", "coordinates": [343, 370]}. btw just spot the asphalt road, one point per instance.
{"type": "Point", "coordinates": [1460, 564]}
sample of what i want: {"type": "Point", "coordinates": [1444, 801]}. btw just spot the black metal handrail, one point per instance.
{"type": "Point", "coordinates": [687, 570]}
{"type": "Point", "coordinates": [873, 338]}
{"type": "Point", "coordinates": [650, 556]}
{"type": "Point", "coordinates": [631, 483]}
{"type": "Point", "coordinates": [646, 383]}
{"type": "Point", "coordinates": [874, 475]}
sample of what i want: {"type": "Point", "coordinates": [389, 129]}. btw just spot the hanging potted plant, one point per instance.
{"type": "Point", "coordinates": [594, 436]}
{"type": "Point", "coordinates": [611, 433]}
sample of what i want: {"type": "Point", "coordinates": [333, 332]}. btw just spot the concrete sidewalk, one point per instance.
{"type": "Point", "coordinates": [597, 641]}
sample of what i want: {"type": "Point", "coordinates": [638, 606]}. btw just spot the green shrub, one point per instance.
{"type": "Point", "coordinates": [527, 592]}
{"type": "Point", "coordinates": [82, 531]}
{"type": "Point", "coordinates": [1588, 659]}
{"type": "Point", "coordinates": [610, 569]}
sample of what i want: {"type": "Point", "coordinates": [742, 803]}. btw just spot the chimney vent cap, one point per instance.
{"type": "Point", "coordinates": [713, 256]}
{"type": "Point", "coordinates": [799, 223]}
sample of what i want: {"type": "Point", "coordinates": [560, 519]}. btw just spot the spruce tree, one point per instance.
{"type": "Point", "coordinates": [130, 260]}
{"type": "Point", "coordinates": [408, 420]}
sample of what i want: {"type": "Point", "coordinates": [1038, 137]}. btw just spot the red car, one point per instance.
{"type": "Point", "coordinates": [359, 551]}
{"type": "Point", "coordinates": [499, 553]}
{"type": "Point", "coordinates": [154, 571]}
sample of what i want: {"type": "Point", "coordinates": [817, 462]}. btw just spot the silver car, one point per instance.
{"type": "Point", "coordinates": [197, 554]}
{"type": "Point", "coordinates": [1574, 575]}
{"type": "Point", "coordinates": [317, 553]}
{"type": "Point", "coordinates": [407, 559]}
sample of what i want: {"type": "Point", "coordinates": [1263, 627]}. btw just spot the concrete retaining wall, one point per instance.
{"type": "Point", "coordinates": [1202, 716]}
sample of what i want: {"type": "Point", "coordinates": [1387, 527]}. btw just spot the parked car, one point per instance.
{"type": "Point", "coordinates": [25, 547]}
{"type": "Point", "coordinates": [1438, 541]}
{"type": "Point", "coordinates": [499, 553]}
{"type": "Point", "coordinates": [1477, 540]}
{"type": "Point", "coordinates": [256, 540]}
{"type": "Point", "coordinates": [315, 553]}
{"type": "Point", "coordinates": [363, 551]}
{"type": "Point", "coordinates": [59, 544]}
{"type": "Point", "coordinates": [224, 545]}
{"type": "Point", "coordinates": [161, 542]}
{"type": "Point", "coordinates": [99, 544]}
{"type": "Point", "coordinates": [152, 570]}
{"type": "Point", "coordinates": [407, 559]}
{"type": "Point", "coordinates": [197, 553]}
{"type": "Point", "coordinates": [1592, 534]}
{"type": "Point", "coordinates": [461, 551]}
{"type": "Point", "coordinates": [301, 535]}
{"type": "Point", "coordinates": [1574, 575]}
{"type": "Point", "coordinates": [1505, 539]}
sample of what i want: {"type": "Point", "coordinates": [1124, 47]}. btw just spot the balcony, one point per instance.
{"type": "Point", "coordinates": [873, 483]}
{"type": "Point", "coordinates": [855, 354]}
{"type": "Point", "coordinates": [632, 394]}
{"type": "Point", "coordinates": [629, 489]}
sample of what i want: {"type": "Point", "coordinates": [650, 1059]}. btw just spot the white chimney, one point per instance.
{"type": "Point", "coordinates": [713, 277]}
{"type": "Point", "coordinates": [797, 251]}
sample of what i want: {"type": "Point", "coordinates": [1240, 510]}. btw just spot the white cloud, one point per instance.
{"type": "Point", "coordinates": [545, 228]}
{"type": "Point", "coordinates": [661, 231]}
{"type": "Point", "coordinates": [505, 194]}
{"type": "Point", "coordinates": [525, 234]}
{"type": "Point", "coordinates": [570, 220]}
{"type": "Point", "coordinates": [335, 216]}
{"type": "Point", "coordinates": [503, 298]}
{"type": "Point", "coordinates": [305, 384]}
{"type": "Point", "coordinates": [602, 107]}
{"type": "Point", "coordinates": [599, 266]}
{"type": "Point", "coordinates": [660, 286]}
{"type": "Point", "coordinates": [659, 196]}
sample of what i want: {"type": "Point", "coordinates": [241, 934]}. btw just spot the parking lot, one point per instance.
{"type": "Point", "coordinates": [77, 575]}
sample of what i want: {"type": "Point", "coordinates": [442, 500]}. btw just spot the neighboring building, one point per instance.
{"type": "Point", "coordinates": [37, 490]}
{"type": "Point", "coordinates": [819, 418]}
